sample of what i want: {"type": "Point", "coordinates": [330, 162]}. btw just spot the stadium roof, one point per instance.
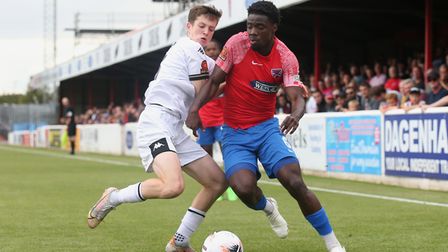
{"type": "Point", "coordinates": [143, 41]}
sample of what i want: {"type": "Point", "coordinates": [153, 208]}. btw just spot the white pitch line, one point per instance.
{"type": "Point", "coordinates": [365, 195]}
{"type": "Point", "coordinates": [119, 163]}
{"type": "Point", "coordinates": [67, 156]}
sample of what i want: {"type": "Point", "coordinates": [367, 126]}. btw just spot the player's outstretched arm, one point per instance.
{"type": "Point", "coordinates": [205, 94]}
{"type": "Point", "coordinates": [296, 96]}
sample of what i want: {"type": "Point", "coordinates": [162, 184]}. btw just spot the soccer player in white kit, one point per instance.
{"type": "Point", "coordinates": [164, 147]}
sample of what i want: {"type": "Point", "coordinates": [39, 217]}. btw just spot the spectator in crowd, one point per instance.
{"type": "Point", "coordinates": [401, 70]}
{"type": "Point", "coordinates": [351, 94]}
{"type": "Point", "coordinates": [327, 85]}
{"type": "Point", "coordinates": [335, 81]}
{"type": "Point", "coordinates": [443, 72]}
{"type": "Point", "coordinates": [311, 105]}
{"type": "Point", "coordinates": [415, 100]}
{"type": "Point", "coordinates": [320, 102]}
{"type": "Point", "coordinates": [340, 101]}
{"type": "Point", "coordinates": [283, 106]}
{"type": "Point", "coordinates": [437, 90]}
{"type": "Point", "coordinates": [379, 78]}
{"type": "Point", "coordinates": [378, 95]}
{"type": "Point", "coordinates": [417, 77]}
{"type": "Point", "coordinates": [353, 105]}
{"type": "Point", "coordinates": [330, 103]}
{"type": "Point", "coordinates": [405, 88]}
{"type": "Point", "coordinates": [357, 76]}
{"type": "Point", "coordinates": [364, 91]}
{"type": "Point", "coordinates": [393, 82]}
{"type": "Point", "coordinates": [392, 102]}
{"type": "Point", "coordinates": [368, 72]}
{"type": "Point", "coordinates": [346, 78]}
{"type": "Point", "coordinates": [440, 103]}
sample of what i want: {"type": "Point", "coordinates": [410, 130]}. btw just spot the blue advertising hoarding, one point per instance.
{"type": "Point", "coordinates": [354, 144]}
{"type": "Point", "coordinates": [416, 145]}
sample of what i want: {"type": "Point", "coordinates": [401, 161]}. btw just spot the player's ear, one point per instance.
{"type": "Point", "coordinates": [275, 27]}
{"type": "Point", "coordinates": [189, 25]}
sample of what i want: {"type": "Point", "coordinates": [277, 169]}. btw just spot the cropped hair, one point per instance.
{"type": "Point", "coordinates": [209, 11]}
{"type": "Point", "coordinates": [267, 9]}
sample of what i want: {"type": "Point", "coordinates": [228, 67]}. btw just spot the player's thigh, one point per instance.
{"type": "Point", "coordinates": [166, 166]}
{"type": "Point", "coordinates": [153, 136]}
{"type": "Point", "coordinates": [238, 154]}
{"type": "Point", "coordinates": [275, 153]}
{"type": "Point", "coordinates": [206, 172]}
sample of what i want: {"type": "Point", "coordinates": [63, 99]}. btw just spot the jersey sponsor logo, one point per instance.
{"type": "Point", "coordinates": [158, 147]}
{"type": "Point", "coordinates": [276, 72]}
{"type": "Point", "coordinates": [256, 63]}
{"type": "Point", "coordinates": [264, 86]}
{"type": "Point", "coordinates": [223, 54]}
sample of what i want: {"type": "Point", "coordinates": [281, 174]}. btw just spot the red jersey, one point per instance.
{"type": "Point", "coordinates": [392, 84]}
{"type": "Point", "coordinates": [212, 113]}
{"type": "Point", "coordinates": [253, 80]}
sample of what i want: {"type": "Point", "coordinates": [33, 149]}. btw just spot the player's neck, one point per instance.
{"type": "Point", "coordinates": [265, 51]}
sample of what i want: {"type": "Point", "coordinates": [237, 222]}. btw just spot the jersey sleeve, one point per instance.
{"type": "Point", "coordinates": [233, 52]}
{"type": "Point", "coordinates": [290, 67]}
{"type": "Point", "coordinates": [198, 65]}
{"type": "Point", "coordinates": [224, 60]}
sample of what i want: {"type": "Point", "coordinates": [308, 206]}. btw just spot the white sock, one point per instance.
{"type": "Point", "coordinates": [191, 221]}
{"type": "Point", "coordinates": [130, 194]}
{"type": "Point", "coordinates": [331, 241]}
{"type": "Point", "coordinates": [269, 208]}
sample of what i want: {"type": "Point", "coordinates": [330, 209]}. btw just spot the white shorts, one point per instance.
{"type": "Point", "coordinates": [159, 130]}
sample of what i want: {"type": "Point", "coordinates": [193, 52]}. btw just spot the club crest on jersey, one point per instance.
{"type": "Point", "coordinates": [223, 54]}
{"type": "Point", "coordinates": [204, 67]}
{"type": "Point", "coordinates": [264, 86]}
{"type": "Point", "coordinates": [276, 72]}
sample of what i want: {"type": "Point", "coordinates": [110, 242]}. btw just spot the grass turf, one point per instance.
{"type": "Point", "coordinates": [45, 196]}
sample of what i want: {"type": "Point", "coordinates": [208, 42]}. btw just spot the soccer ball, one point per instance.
{"type": "Point", "coordinates": [222, 241]}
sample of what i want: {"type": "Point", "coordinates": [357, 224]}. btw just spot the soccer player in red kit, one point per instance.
{"type": "Point", "coordinates": [255, 64]}
{"type": "Point", "coordinates": [212, 118]}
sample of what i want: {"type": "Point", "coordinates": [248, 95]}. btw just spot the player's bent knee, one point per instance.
{"type": "Point", "coordinates": [243, 190]}
{"type": "Point", "coordinates": [297, 185]}
{"type": "Point", "coordinates": [173, 189]}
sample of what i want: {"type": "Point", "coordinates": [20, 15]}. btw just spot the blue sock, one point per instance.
{"type": "Point", "coordinates": [261, 204]}
{"type": "Point", "coordinates": [320, 222]}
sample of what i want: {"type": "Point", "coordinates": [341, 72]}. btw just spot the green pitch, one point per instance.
{"type": "Point", "coordinates": [45, 196]}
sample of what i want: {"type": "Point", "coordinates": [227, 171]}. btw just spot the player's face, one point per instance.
{"type": "Point", "coordinates": [202, 29]}
{"type": "Point", "coordinates": [261, 32]}
{"type": "Point", "coordinates": [212, 50]}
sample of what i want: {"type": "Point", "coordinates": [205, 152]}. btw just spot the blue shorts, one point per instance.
{"type": "Point", "coordinates": [241, 149]}
{"type": "Point", "coordinates": [210, 135]}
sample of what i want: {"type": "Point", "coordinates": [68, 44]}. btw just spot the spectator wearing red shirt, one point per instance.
{"type": "Point", "coordinates": [393, 83]}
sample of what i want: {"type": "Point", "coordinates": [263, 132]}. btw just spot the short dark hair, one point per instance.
{"type": "Point", "coordinates": [265, 8]}
{"type": "Point", "coordinates": [198, 10]}
{"type": "Point", "coordinates": [217, 43]}
{"type": "Point", "coordinates": [433, 76]}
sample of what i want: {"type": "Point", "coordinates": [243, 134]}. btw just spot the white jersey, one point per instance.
{"type": "Point", "coordinates": [180, 75]}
